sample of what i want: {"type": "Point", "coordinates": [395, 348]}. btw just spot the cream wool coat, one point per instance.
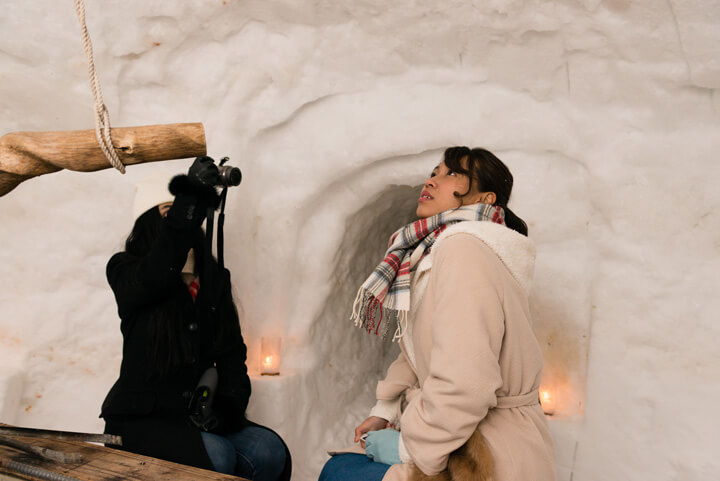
{"type": "Point", "coordinates": [474, 361]}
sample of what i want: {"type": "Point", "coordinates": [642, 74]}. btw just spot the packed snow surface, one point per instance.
{"type": "Point", "coordinates": [606, 111]}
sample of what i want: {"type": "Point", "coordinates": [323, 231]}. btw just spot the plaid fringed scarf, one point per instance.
{"type": "Point", "coordinates": [383, 301]}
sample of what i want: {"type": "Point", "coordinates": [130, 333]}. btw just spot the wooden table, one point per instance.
{"type": "Point", "coordinates": [104, 464]}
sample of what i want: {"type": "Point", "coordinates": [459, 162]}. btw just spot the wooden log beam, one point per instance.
{"type": "Point", "coordinates": [24, 155]}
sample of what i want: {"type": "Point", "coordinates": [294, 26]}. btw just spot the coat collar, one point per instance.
{"type": "Point", "coordinates": [515, 250]}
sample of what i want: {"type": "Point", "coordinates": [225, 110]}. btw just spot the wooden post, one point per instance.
{"type": "Point", "coordinates": [24, 155]}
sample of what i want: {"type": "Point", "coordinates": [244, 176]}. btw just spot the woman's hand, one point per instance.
{"type": "Point", "coordinates": [204, 171]}
{"type": "Point", "coordinates": [373, 423]}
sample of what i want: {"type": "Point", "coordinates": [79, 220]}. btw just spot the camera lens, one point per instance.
{"type": "Point", "coordinates": [229, 176]}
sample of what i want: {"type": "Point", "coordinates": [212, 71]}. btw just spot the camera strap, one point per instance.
{"type": "Point", "coordinates": [210, 220]}
{"type": "Point", "coordinates": [207, 254]}
{"type": "Point", "coordinates": [220, 230]}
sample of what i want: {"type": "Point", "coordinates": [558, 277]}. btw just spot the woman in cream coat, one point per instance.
{"type": "Point", "coordinates": [461, 400]}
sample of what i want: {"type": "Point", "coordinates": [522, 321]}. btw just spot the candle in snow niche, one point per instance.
{"type": "Point", "coordinates": [547, 401]}
{"type": "Point", "coordinates": [270, 356]}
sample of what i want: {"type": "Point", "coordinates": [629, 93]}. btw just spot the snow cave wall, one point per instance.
{"type": "Point", "coordinates": [606, 111]}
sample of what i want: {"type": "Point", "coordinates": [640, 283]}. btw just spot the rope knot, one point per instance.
{"type": "Point", "coordinates": [102, 115]}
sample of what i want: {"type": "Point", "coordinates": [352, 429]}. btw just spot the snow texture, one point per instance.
{"type": "Point", "coordinates": [606, 111]}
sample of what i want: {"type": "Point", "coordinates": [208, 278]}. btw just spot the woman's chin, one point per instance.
{"type": "Point", "coordinates": [423, 212]}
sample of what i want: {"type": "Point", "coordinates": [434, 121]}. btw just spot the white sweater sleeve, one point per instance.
{"type": "Point", "coordinates": [387, 410]}
{"type": "Point", "coordinates": [402, 452]}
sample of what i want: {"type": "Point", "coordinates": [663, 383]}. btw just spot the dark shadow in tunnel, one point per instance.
{"type": "Point", "coordinates": [360, 250]}
{"type": "Point", "coordinates": [351, 361]}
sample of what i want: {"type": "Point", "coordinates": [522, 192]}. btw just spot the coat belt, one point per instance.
{"type": "Point", "coordinates": [529, 399]}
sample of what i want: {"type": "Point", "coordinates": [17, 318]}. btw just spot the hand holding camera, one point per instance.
{"type": "Point", "coordinates": [204, 171]}
{"type": "Point", "coordinates": [196, 192]}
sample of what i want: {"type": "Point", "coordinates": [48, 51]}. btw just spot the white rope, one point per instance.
{"type": "Point", "coordinates": [102, 116]}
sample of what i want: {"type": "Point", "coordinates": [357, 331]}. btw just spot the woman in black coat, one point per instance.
{"type": "Point", "coordinates": [175, 326]}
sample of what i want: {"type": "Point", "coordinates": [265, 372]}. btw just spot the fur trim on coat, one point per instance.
{"type": "Point", "coordinates": [515, 250]}
{"type": "Point", "coordinates": [470, 462]}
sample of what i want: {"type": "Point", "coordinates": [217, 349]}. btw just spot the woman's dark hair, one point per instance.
{"type": "Point", "coordinates": [488, 174]}
{"type": "Point", "coordinates": [144, 232]}
{"type": "Point", "coordinates": [171, 345]}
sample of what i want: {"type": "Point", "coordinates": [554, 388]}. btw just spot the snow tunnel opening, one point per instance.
{"type": "Point", "coordinates": [359, 251]}
{"type": "Point", "coordinates": [350, 361]}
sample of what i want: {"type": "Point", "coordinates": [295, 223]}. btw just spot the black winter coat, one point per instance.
{"type": "Point", "coordinates": [150, 409]}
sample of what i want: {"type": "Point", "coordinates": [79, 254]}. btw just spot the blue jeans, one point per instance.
{"type": "Point", "coordinates": [253, 453]}
{"type": "Point", "coordinates": [353, 467]}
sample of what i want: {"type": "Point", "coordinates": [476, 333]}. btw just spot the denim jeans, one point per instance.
{"type": "Point", "coordinates": [353, 467]}
{"type": "Point", "coordinates": [253, 453]}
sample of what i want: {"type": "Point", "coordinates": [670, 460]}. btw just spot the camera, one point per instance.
{"type": "Point", "coordinates": [204, 171]}
{"type": "Point", "coordinates": [228, 176]}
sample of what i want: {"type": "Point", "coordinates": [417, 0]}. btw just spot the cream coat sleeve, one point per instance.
{"type": "Point", "coordinates": [400, 377]}
{"type": "Point", "coordinates": [464, 374]}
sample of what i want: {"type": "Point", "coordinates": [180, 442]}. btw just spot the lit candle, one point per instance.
{"type": "Point", "coordinates": [268, 362]}
{"type": "Point", "coordinates": [270, 356]}
{"type": "Point", "coordinates": [547, 402]}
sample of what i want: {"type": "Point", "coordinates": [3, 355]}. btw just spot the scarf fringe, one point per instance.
{"type": "Point", "coordinates": [355, 316]}
{"type": "Point", "coordinates": [401, 327]}
{"type": "Point", "coordinates": [369, 315]}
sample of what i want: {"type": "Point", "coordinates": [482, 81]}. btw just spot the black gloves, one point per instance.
{"type": "Point", "coordinates": [195, 192]}
{"type": "Point", "coordinates": [204, 171]}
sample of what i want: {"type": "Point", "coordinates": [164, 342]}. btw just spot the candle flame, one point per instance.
{"type": "Point", "coordinates": [269, 356]}
{"type": "Point", "coordinates": [547, 402]}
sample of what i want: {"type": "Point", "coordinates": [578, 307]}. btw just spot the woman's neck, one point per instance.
{"type": "Point", "coordinates": [188, 270]}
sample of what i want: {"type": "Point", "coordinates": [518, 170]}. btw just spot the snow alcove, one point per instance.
{"type": "Point", "coordinates": [347, 362]}
{"type": "Point", "coordinates": [339, 233]}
